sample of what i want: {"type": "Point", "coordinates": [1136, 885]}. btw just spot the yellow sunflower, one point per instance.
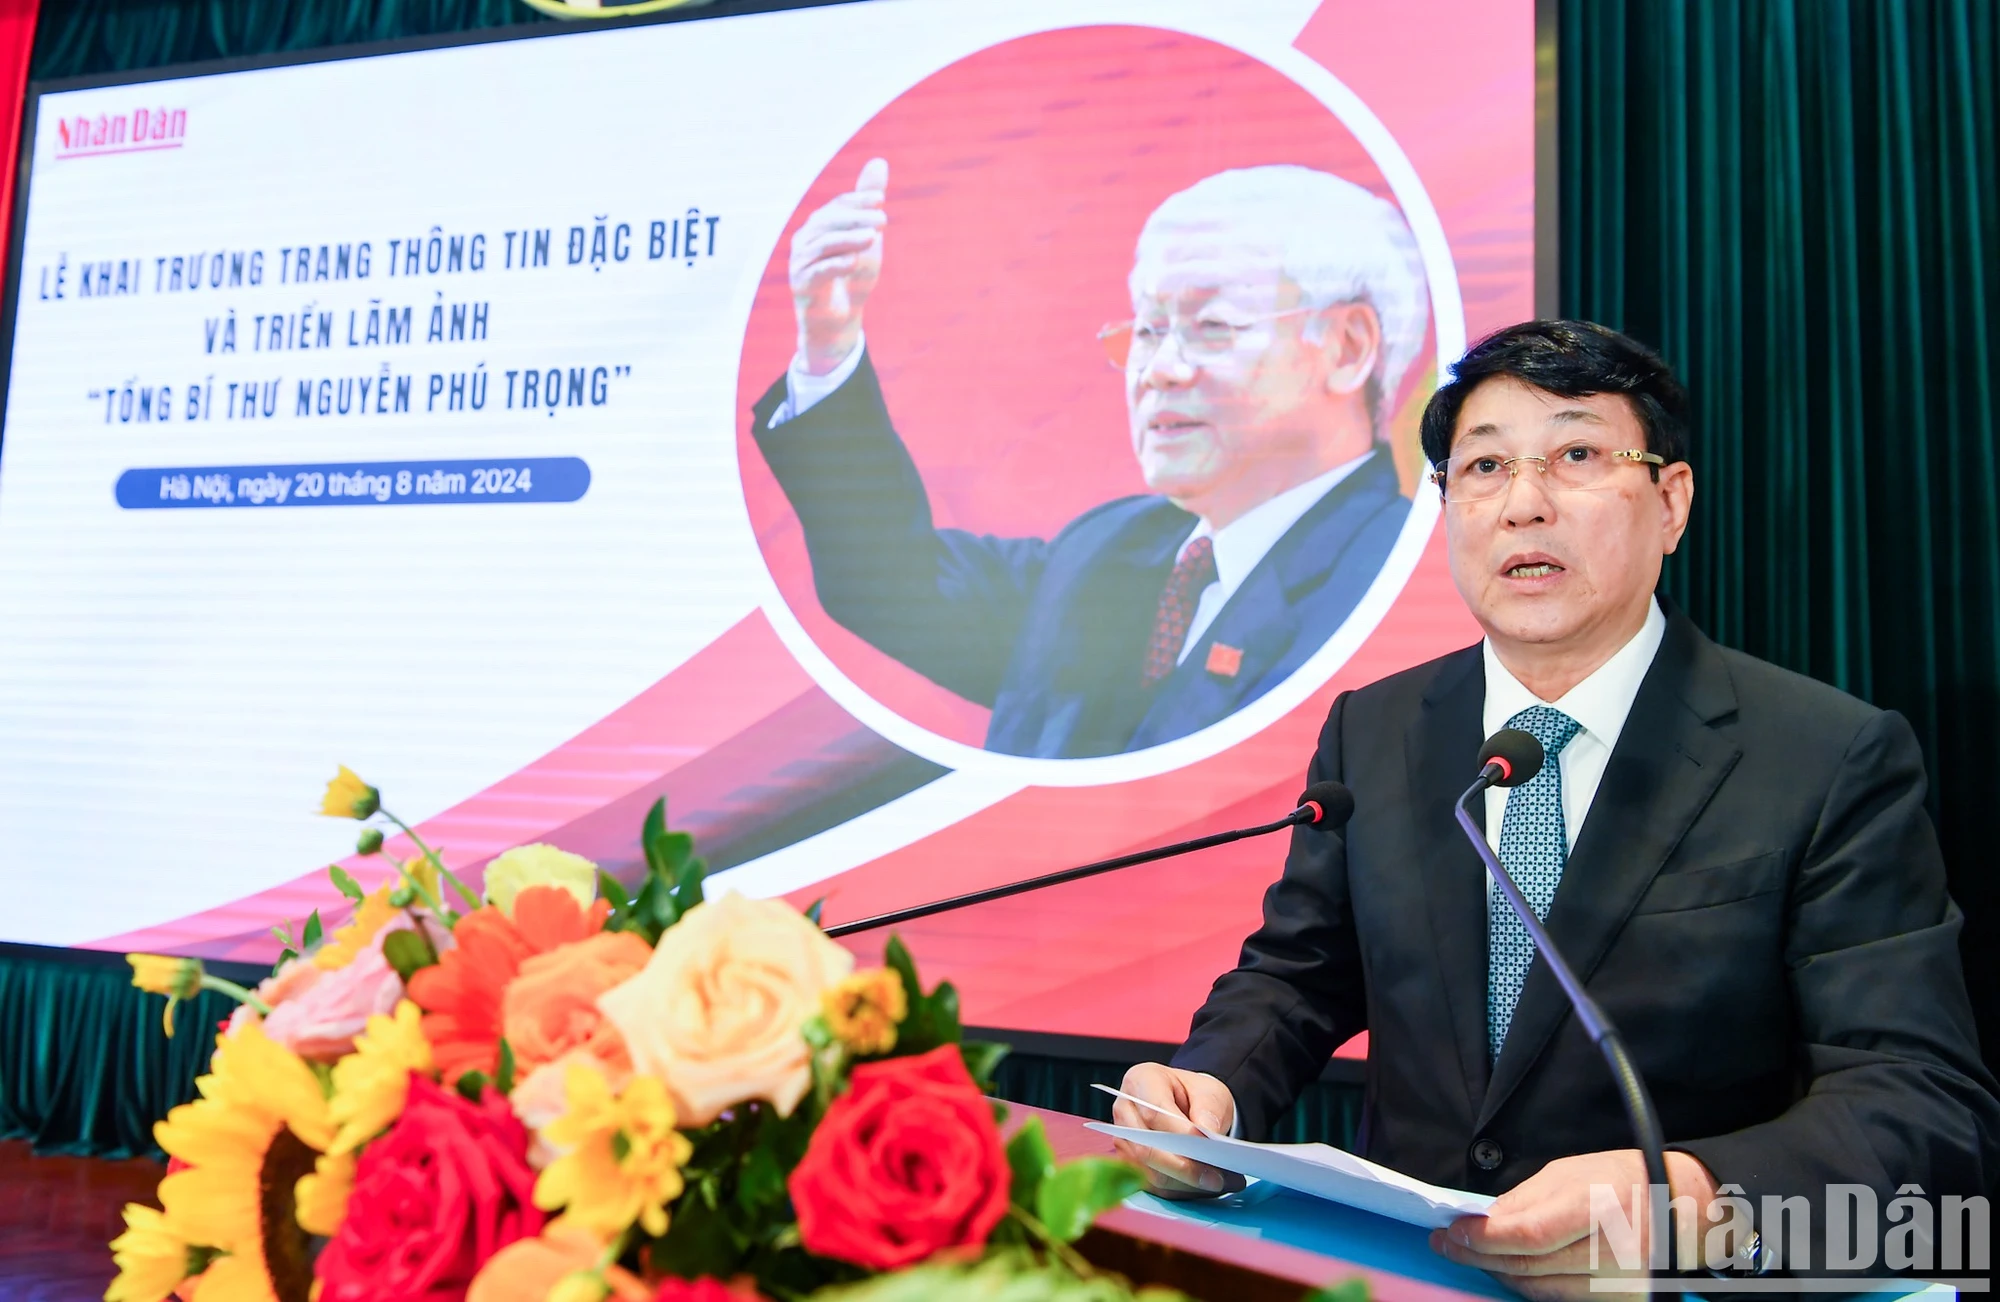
{"type": "Point", "coordinates": [260, 1124]}
{"type": "Point", "coordinates": [152, 1257]}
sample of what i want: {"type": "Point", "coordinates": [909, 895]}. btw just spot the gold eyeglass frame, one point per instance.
{"type": "Point", "coordinates": [1636, 456]}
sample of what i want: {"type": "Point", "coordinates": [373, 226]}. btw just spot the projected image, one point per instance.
{"type": "Point", "coordinates": [1097, 538]}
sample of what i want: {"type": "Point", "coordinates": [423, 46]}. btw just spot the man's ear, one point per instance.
{"type": "Point", "coordinates": [1351, 336]}
{"type": "Point", "coordinates": [1676, 502]}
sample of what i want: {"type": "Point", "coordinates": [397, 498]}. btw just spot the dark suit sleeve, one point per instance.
{"type": "Point", "coordinates": [1269, 1026]}
{"type": "Point", "coordinates": [1894, 1088]}
{"type": "Point", "coordinates": [947, 603]}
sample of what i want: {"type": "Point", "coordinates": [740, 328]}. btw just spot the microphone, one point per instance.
{"type": "Point", "coordinates": [1326, 805]}
{"type": "Point", "coordinates": [1509, 758]}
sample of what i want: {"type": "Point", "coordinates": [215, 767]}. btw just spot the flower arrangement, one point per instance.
{"type": "Point", "coordinates": [557, 1088]}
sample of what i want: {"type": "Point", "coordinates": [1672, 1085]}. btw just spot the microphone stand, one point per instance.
{"type": "Point", "coordinates": [1624, 1073]}
{"type": "Point", "coordinates": [1306, 813]}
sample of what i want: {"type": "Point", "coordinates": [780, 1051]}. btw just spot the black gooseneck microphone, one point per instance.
{"type": "Point", "coordinates": [1323, 804]}
{"type": "Point", "coordinates": [1509, 758]}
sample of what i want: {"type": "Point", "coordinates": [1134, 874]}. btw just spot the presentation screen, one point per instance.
{"type": "Point", "coordinates": [930, 443]}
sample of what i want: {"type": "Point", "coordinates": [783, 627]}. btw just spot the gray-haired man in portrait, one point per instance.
{"type": "Point", "coordinates": [1276, 311]}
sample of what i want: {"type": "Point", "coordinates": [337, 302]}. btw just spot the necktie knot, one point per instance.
{"type": "Point", "coordinates": [1193, 572]}
{"type": "Point", "coordinates": [1547, 725]}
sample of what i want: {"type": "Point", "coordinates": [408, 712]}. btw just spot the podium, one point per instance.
{"type": "Point", "coordinates": [1265, 1245]}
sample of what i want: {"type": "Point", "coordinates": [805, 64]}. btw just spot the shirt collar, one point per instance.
{"type": "Point", "coordinates": [1241, 543]}
{"type": "Point", "coordinates": [1600, 702]}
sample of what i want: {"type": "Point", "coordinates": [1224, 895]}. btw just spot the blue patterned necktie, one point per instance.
{"type": "Point", "coordinates": [1534, 845]}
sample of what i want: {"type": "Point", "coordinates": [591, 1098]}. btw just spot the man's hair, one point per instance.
{"type": "Point", "coordinates": [1341, 244]}
{"type": "Point", "coordinates": [1572, 359]}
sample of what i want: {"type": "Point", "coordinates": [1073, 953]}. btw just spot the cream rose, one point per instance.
{"type": "Point", "coordinates": [716, 1013]}
{"type": "Point", "coordinates": [513, 871]}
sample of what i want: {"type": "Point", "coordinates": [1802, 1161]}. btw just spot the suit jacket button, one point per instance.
{"type": "Point", "coordinates": [1487, 1155]}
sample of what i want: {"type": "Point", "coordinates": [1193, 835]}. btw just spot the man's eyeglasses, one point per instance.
{"type": "Point", "coordinates": [1204, 339]}
{"type": "Point", "coordinates": [1577, 467]}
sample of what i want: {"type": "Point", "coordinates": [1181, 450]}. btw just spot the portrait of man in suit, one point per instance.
{"type": "Point", "coordinates": [1276, 312]}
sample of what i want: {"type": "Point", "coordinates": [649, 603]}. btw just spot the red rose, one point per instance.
{"type": "Point", "coordinates": [707, 1289]}
{"type": "Point", "coordinates": [908, 1161]}
{"type": "Point", "coordinates": [445, 1189]}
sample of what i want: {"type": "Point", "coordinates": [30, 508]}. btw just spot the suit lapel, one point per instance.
{"type": "Point", "coordinates": [1259, 619]}
{"type": "Point", "coordinates": [1665, 768]}
{"type": "Point", "coordinates": [1443, 748]}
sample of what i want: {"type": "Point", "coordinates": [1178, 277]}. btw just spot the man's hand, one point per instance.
{"type": "Point", "coordinates": [1536, 1238]}
{"type": "Point", "coordinates": [836, 257]}
{"type": "Point", "coordinates": [1197, 1099]}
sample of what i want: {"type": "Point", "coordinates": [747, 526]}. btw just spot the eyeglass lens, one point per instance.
{"type": "Point", "coordinates": [1574, 466]}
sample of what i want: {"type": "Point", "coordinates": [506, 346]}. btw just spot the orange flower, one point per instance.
{"type": "Point", "coordinates": [527, 1270]}
{"type": "Point", "coordinates": [463, 993]}
{"type": "Point", "coordinates": [551, 1007]}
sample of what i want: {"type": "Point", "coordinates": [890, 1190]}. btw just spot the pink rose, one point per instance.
{"type": "Point", "coordinates": [321, 1021]}
{"type": "Point", "coordinates": [288, 982]}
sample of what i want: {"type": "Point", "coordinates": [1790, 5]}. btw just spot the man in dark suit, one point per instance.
{"type": "Point", "coordinates": [1735, 859]}
{"type": "Point", "coordinates": [1276, 312]}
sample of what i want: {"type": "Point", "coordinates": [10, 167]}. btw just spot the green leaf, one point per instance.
{"type": "Point", "coordinates": [344, 884]}
{"type": "Point", "coordinates": [897, 958]}
{"type": "Point", "coordinates": [814, 910]}
{"type": "Point", "coordinates": [408, 952]}
{"type": "Point", "coordinates": [614, 893]}
{"type": "Point", "coordinates": [944, 1010]}
{"type": "Point", "coordinates": [687, 885]}
{"type": "Point", "coordinates": [1029, 1154]}
{"type": "Point", "coordinates": [503, 1080]}
{"type": "Point", "coordinates": [700, 1241]}
{"type": "Point", "coordinates": [760, 1183]}
{"type": "Point", "coordinates": [655, 825]}
{"type": "Point", "coordinates": [1071, 1198]}
{"type": "Point", "coordinates": [654, 910]}
{"type": "Point", "coordinates": [284, 957]}
{"type": "Point", "coordinates": [982, 1059]}
{"type": "Point", "coordinates": [284, 934]}
{"type": "Point", "coordinates": [817, 1033]}
{"type": "Point", "coordinates": [472, 1084]}
{"type": "Point", "coordinates": [669, 852]}
{"type": "Point", "coordinates": [1353, 1290]}
{"type": "Point", "coordinates": [666, 852]}
{"type": "Point", "coordinates": [313, 931]}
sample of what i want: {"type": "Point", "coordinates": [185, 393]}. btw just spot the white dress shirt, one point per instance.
{"type": "Point", "coordinates": [1599, 703]}
{"type": "Point", "coordinates": [1239, 545]}
{"type": "Point", "coordinates": [1244, 541]}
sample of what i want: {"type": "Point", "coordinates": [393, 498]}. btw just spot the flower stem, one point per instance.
{"type": "Point", "coordinates": [1061, 1251]}
{"type": "Point", "coordinates": [614, 1250]}
{"type": "Point", "coordinates": [436, 860]}
{"type": "Point", "coordinates": [236, 992]}
{"type": "Point", "coordinates": [416, 884]}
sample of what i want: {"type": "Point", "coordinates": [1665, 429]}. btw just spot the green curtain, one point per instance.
{"type": "Point", "coordinates": [84, 1068]}
{"type": "Point", "coordinates": [1795, 201]}
{"type": "Point", "coordinates": [83, 37]}
{"type": "Point", "coordinates": [99, 1093]}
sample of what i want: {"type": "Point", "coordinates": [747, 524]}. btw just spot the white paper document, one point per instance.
{"type": "Point", "coordinates": [1320, 1170]}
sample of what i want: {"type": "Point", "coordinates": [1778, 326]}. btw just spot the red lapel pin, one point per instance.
{"type": "Point", "coordinates": [1224, 660]}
